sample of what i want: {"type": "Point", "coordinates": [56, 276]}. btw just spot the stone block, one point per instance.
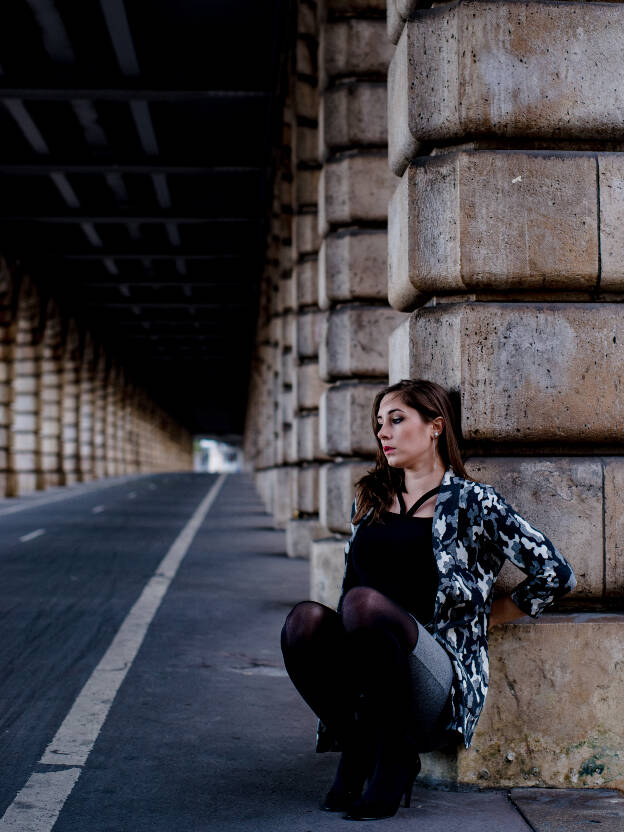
{"type": "Point", "coordinates": [336, 491]}
{"type": "Point", "coordinates": [24, 422]}
{"type": "Point", "coordinates": [306, 99]}
{"type": "Point", "coordinates": [561, 496]}
{"type": "Point", "coordinates": [25, 402]}
{"type": "Point", "coordinates": [24, 461]}
{"type": "Point", "coordinates": [305, 146]}
{"type": "Point", "coordinates": [306, 238]}
{"type": "Point", "coordinates": [299, 536]}
{"type": "Point", "coordinates": [288, 370]}
{"type": "Point", "coordinates": [353, 47]}
{"type": "Point", "coordinates": [354, 189]}
{"type": "Point", "coordinates": [308, 333]}
{"type": "Point", "coordinates": [24, 441]}
{"type": "Point", "coordinates": [307, 489]}
{"type": "Point", "coordinates": [327, 570]}
{"type": "Point", "coordinates": [50, 445]}
{"type": "Point", "coordinates": [309, 386]}
{"type": "Point", "coordinates": [526, 736]}
{"type": "Point", "coordinates": [354, 341]}
{"type": "Point", "coordinates": [525, 372]}
{"type": "Point", "coordinates": [305, 57]}
{"type": "Point", "coordinates": [611, 189]}
{"type": "Point", "coordinates": [282, 495]}
{"type": "Point", "coordinates": [25, 384]}
{"type": "Point", "coordinates": [352, 266]}
{"type": "Point", "coordinates": [289, 334]}
{"type": "Point", "coordinates": [529, 70]}
{"type": "Point", "coordinates": [353, 115]}
{"type": "Point", "coordinates": [306, 188]}
{"type": "Point", "coordinates": [614, 527]}
{"type": "Point", "coordinates": [493, 221]}
{"type": "Point", "coordinates": [345, 427]}
{"type": "Point", "coordinates": [4, 371]}
{"type": "Point", "coordinates": [306, 283]}
{"type": "Point", "coordinates": [350, 7]}
{"type": "Point", "coordinates": [306, 19]}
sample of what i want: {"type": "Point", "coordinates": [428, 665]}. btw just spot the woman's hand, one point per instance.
{"type": "Point", "coordinates": [504, 610]}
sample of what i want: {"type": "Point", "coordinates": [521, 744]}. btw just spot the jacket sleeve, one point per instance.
{"type": "Point", "coordinates": [549, 575]}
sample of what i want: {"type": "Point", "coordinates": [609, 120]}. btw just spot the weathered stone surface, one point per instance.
{"type": "Point", "coordinates": [307, 429]}
{"type": "Point", "coordinates": [307, 494]}
{"type": "Point", "coordinates": [306, 99]}
{"type": "Point", "coordinates": [614, 527]}
{"type": "Point", "coordinates": [305, 57]}
{"type": "Point", "coordinates": [505, 68]}
{"type": "Point", "coordinates": [336, 492]}
{"type": "Point", "coordinates": [353, 47]}
{"type": "Point", "coordinates": [563, 810]}
{"type": "Point", "coordinates": [525, 372]}
{"type": "Point", "coordinates": [345, 419]}
{"type": "Point", "coordinates": [308, 333]}
{"type": "Point", "coordinates": [305, 280]}
{"type": "Point", "coordinates": [492, 220]}
{"type": "Point", "coordinates": [350, 7]}
{"type": "Point", "coordinates": [527, 734]}
{"type": "Point", "coordinates": [306, 238]}
{"type": "Point", "coordinates": [561, 496]}
{"type": "Point", "coordinates": [282, 492]}
{"type": "Point", "coordinates": [327, 570]}
{"type": "Point", "coordinates": [352, 265]}
{"type": "Point", "coordinates": [309, 386]}
{"type": "Point", "coordinates": [354, 341]}
{"type": "Point", "coordinates": [306, 188]}
{"type": "Point", "coordinates": [305, 144]}
{"type": "Point", "coordinates": [299, 536]}
{"type": "Point", "coordinates": [354, 189]}
{"type": "Point", "coordinates": [611, 184]}
{"type": "Point", "coordinates": [353, 115]}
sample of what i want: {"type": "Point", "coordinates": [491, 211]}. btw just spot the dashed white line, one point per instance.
{"type": "Point", "coordinates": [98, 509]}
{"type": "Point", "coordinates": [32, 535]}
{"type": "Point", "coordinates": [37, 805]}
{"type": "Point", "coordinates": [152, 487]}
{"type": "Point", "coordinates": [132, 495]}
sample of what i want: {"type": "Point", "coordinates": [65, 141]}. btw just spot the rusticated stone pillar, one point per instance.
{"type": "Point", "coordinates": [24, 461]}
{"type": "Point", "coordinates": [49, 435]}
{"type": "Point", "coordinates": [99, 413]}
{"type": "Point", "coordinates": [86, 410]}
{"type": "Point", "coordinates": [354, 188]}
{"type": "Point", "coordinates": [506, 239]}
{"type": "Point", "coordinates": [70, 403]}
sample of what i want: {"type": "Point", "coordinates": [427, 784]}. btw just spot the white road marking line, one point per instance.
{"type": "Point", "coordinates": [132, 495]}
{"type": "Point", "coordinates": [32, 535]}
{"type": "Point", "coordinates": [152, 487]}
{"type": "Point", "coordinates": [37, 805]}
{"type": "Point", "coordinates": [98, 509]}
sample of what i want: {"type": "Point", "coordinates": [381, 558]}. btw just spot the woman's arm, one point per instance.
{"type": "Point", "coordinates": [549, 575]}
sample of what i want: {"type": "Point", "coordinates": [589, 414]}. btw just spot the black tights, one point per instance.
{"type": "Point", "coordinates": [332, 659]}
{"type": "Point", "coordinates": [341, 662]}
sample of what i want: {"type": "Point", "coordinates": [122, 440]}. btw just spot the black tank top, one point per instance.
{"type": "Point", "coordinates": [396, 558]}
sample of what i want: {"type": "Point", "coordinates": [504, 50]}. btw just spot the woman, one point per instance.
{"type": "Point", "coordinates": [402, 665]}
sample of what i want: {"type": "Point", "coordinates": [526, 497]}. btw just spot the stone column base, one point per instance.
{"type": "Point", "coordinates": [299, 536]}
{"type": "Point", "coordinates": [554, 713]}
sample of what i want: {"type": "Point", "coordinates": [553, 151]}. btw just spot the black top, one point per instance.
{"type": "Point", "coordinates": [396, 558]}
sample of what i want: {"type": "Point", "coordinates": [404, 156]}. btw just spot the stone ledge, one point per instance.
{"type": "Point", "coordinates": [529, 733]}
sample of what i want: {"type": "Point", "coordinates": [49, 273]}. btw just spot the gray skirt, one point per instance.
{"type": "Point", "coordinates": [432, 677]}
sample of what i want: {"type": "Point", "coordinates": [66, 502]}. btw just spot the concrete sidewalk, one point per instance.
{"type": "Point", "coordinates": [266, 774]}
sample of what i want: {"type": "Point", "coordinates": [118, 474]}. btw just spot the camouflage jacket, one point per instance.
{"type": "Point", "coordinates": [474, 530]}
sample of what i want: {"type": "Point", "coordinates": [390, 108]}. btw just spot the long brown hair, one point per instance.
{"type": "Point", "coordinates": [377, 489]}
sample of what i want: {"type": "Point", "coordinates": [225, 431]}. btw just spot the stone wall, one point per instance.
{"type": "Point", "coordinates": [60, 396]}
{"type": "Point", "coordinates": [474, 237]}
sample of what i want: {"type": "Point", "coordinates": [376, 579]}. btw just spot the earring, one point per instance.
{"type": "Point", "coordinates": [436, 435]}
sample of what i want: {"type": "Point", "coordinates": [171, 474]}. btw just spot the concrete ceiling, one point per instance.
{"type": "Point", "coordinates": [136, 177]}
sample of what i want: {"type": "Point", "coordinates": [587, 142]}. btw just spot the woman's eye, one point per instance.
{"type": "Point", "coordinates": [397, 420]}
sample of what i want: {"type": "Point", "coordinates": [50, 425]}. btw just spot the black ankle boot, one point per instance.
{"type": "Point", "coordinates": [348, 783]}
{"type": "Point", "coordinates": [392, 780]}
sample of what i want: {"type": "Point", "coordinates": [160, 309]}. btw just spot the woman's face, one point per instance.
{"type": "Point", "coordinates": [407, 440]}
